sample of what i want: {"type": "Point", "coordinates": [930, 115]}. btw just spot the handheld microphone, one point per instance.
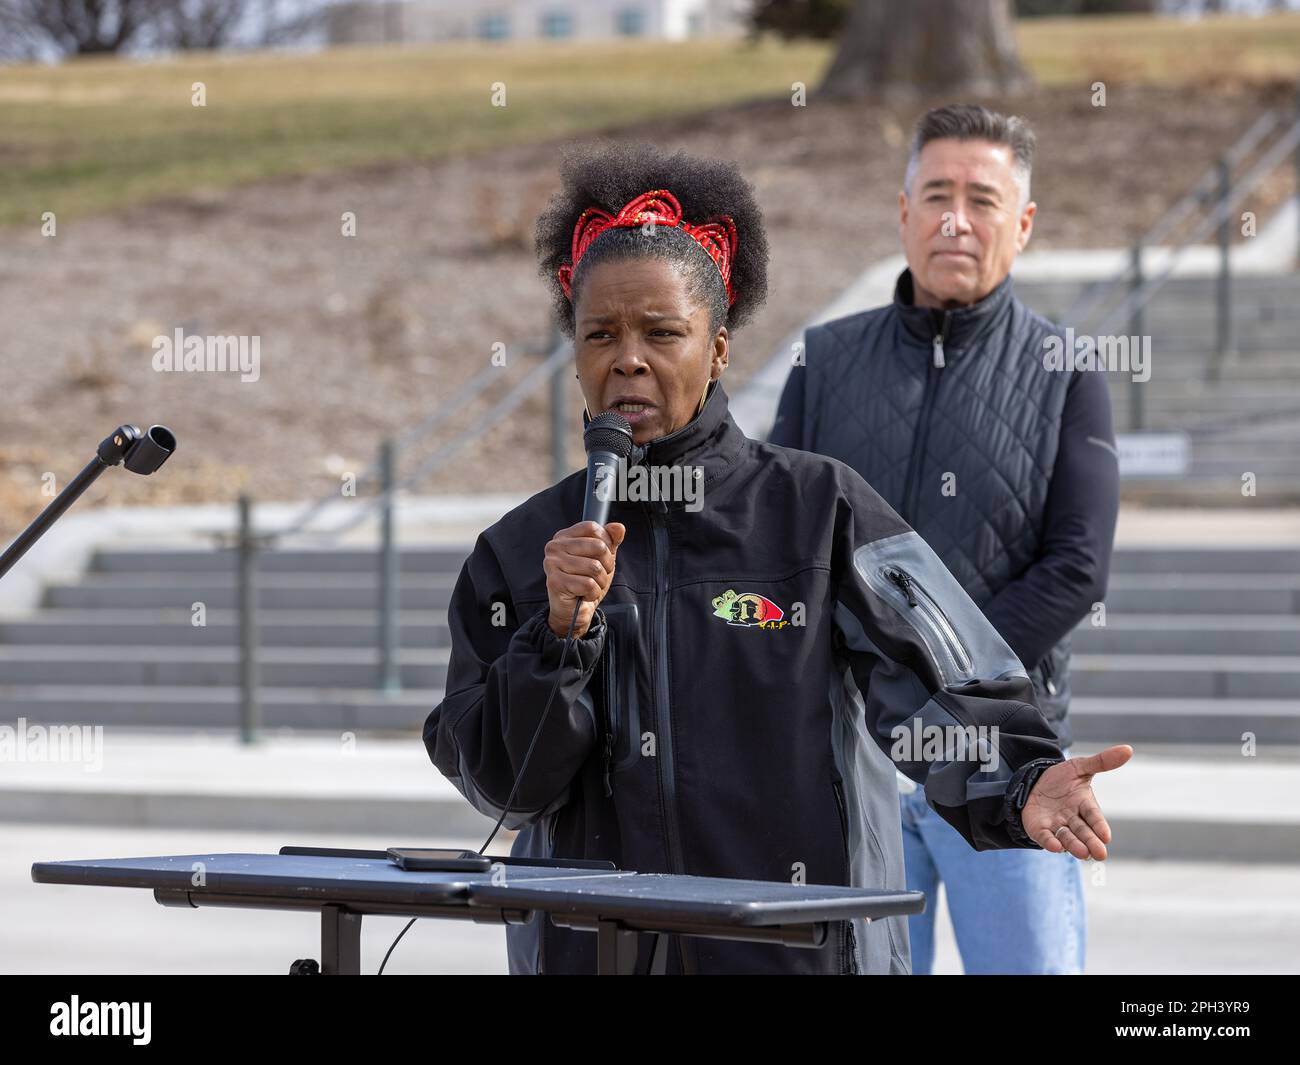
{"type": "Point", "coordinates": [608, 440]}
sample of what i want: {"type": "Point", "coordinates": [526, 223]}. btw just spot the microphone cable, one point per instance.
{"type": "Point", "coordinates": [608, 441]}
{"type": "Point", "coordinates": [559, 673]}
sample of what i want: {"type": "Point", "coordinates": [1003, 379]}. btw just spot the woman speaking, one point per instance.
{"type": "Point", "coordinates": [749, 669]}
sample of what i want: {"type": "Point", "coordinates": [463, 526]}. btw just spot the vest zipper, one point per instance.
{"type": "Point", "coordinates": [936, 620]}
{"type": "Point", "coordinates": [917, 460]}
{"type": "Point", "coordinates": [1049, 674]}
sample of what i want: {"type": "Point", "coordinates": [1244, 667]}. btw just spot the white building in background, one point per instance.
{"type": "Point", "coordinates": [433, 21]}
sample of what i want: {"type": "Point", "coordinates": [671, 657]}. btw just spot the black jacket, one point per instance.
{"type": "Point", "coordinates": [1008, 470]}
{"type": "Point", "coordinates": [730, 710]}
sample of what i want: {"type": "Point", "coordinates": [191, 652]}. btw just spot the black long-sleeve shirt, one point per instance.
{"type": "Point", "coordinates": [1053, 595]}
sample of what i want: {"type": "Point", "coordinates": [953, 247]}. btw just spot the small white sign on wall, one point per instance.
{"type": "Point", "coordinates": [1154, 454]}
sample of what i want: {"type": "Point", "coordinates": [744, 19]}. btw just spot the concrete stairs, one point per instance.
{"type": "Point", "coordinates": [1201, 647]}
{"type": "Point", "coordinates": [1245, 420]}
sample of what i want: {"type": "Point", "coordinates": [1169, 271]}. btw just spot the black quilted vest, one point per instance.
{"type": "Point", "coordinates": [951, 417]}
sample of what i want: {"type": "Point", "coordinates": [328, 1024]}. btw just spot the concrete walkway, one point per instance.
{"type": "Point", "coordinates": [210, 780]}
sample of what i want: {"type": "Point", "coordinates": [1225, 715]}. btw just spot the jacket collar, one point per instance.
{"type": "Point", "coordinates": [959, 327]}
{"type": "Point", "coordinates": [711, 439]}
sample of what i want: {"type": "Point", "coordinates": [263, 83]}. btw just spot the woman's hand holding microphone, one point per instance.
{"type": "Point", "coordinates": [579, 564]}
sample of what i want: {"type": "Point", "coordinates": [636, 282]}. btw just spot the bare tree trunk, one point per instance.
{"type": "Point", "coordinates": [926, 47]}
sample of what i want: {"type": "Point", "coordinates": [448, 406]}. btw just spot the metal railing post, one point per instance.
{"type": "Point", "coordinates": [1136, 327]}
{"type": "Point", "coordinates": [250, 712]}
{"type": "Point", "coordinates": [390, 679]}
{"type": "Point", "coordinates": [1223, 289]}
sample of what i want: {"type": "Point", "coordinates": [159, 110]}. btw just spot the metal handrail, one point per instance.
{"type": "Point", "coordinates": [1222, 203]}
{"type": "Point", "coordinates": [1139, 297]}
{"type": "Point", "coordinates": [1201, 192]}
{"type": "Point", "coordinates": [466, 394]}
{"type": "Point", "coordinates": [248, 542]}
{"type": "Point", "coordinates": [486, 424]}
{"type": "Point", "coordinates": [1227, 425]}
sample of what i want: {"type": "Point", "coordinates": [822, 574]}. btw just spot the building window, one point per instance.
{"type": "Point", "coordinates": [494, 27]}
{"type": "Point", "coordinates": [557, 24]}
{"type": "Point", "coordinates": [630, 22]}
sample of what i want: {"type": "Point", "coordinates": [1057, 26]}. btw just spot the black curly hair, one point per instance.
{"type": "Point", "coordinates": [607, 174]}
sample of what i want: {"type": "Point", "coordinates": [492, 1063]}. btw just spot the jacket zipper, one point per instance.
{"type": "Point", "coordinates": [662, 724]}
{"type": "Point", "coordinates": [848, 941]}
{"type": "Point", "coordinates": [922, 437]}
{"type": "Point", "coordinates": [663, 727]}
{"type": "Point", "coordinates": [541, 931]}
{"type": "Point", "coordinates": [918, 597]}
{"type": "Point", "coordinates": [611, 690]}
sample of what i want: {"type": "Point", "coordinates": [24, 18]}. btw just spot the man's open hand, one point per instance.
{"type": "Point", "coordinates": [1062, 814]}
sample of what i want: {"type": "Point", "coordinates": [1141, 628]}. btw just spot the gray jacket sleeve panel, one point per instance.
{"type": "Point", "coordinates": [943, 694]}
{"type": "Point", "coordinates": [499, 679]}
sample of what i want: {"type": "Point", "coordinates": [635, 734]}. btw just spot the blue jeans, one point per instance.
{"type": "Point", "coordinates": [1013, 911]}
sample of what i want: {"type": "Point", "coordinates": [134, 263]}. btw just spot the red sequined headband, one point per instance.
{"type": "Point", "coordinates": [717, 236]}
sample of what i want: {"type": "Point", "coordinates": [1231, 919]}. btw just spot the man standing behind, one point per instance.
{"type": "Point", "coordinates": [943, 403]}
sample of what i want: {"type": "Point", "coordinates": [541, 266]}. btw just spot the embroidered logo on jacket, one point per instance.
{"type": "Point", "coordinates": [748, 608]}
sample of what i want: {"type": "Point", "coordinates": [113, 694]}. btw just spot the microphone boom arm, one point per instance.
{"type": "Point", "coordinates": [140, 452]}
